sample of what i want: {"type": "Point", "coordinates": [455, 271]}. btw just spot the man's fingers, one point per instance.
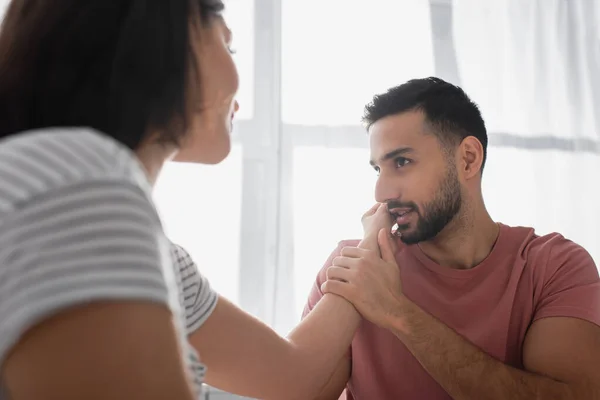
{"type": "Point", "coordinates": [336, 287]}
{"type": "Point", "coordinates": [338, 273]}
{"type": "Point", "coordinates": [353, 252]}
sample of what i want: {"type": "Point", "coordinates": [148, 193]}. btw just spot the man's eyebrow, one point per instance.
{"type": "Point", "coordinates": [393, 154]}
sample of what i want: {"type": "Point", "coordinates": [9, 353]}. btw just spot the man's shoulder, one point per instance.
{"type": "Point", "coordinates": [552, 250]}
{"type": "Point", "coordinates": [533, 241]}
{"type": "Point", "coordinates": [560, 251]}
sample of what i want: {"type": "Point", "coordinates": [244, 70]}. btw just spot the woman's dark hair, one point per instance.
{"type": "Point", "coordinates": [121, 67]}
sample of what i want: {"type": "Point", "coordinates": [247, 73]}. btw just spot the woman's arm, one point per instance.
{"type": "Point", "coordinates": [246, 357]}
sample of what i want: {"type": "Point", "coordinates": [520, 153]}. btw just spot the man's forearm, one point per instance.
{"type": "Point", "coordinates": [463, 370]}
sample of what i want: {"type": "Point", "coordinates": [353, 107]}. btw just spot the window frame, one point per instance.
{"type": "Point", "coordinates": [267, 244]}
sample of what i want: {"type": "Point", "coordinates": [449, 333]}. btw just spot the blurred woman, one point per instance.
{"type": "Point", "coordinates": [95, 302]}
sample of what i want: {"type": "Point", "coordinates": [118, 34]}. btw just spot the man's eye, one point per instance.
{"type": "Point", "coordinates": [401, 161]}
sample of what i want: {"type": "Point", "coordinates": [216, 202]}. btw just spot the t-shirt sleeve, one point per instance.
{"type": "Point", "coordinates": [572, 284]}
{"type": "Point", "coordinates": [76, 245]}
{"type": "Point", "coordinates": [199, 299]}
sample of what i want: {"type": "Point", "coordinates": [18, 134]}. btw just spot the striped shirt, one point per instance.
{"type": "Point", "coordinates": [78, 224]}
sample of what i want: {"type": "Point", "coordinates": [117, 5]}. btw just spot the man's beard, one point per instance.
{"type": "Point", "coordinates": [436, 214]}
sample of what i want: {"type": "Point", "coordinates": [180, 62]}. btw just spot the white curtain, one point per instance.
{"type": "Point", "coordinates": [534, 68]}
{"type": "Point", "coordinates": [298, 178]}
{"type": "Point", "coordinates": [329, 72]}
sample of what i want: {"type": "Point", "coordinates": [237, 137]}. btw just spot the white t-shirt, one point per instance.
{"type": "Point", "coordinates": [77, 224]}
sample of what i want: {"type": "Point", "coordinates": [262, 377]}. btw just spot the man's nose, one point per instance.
{"type": "Point", "coordinates": [386, 191]}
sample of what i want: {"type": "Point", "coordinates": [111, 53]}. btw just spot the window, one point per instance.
{"type": "Point", "coordinates": [239, 15]}
{"type": "Point", "coordinates": [3, 7]}
{"type": "Point", "coordinates": [350, 50]}
{"type": "Point", "coordinates": [332, 188]}
{"type": "Point", "coordinates": [201, 205]}
{"type": "Point", "coordinates": [527, 188]}
{"type": "Point", "coordinates": [201, 209]}
{"type": "Point", "coordinates": [330, 70]}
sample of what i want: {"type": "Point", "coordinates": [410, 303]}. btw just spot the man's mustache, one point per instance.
{"type": "Point", "coordinates": [397, 204]}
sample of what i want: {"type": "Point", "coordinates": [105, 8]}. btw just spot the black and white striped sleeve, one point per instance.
{"type": "Point", "coordinates": [86, 242]}
{"type": "Point", "coordinates": [199, 299]}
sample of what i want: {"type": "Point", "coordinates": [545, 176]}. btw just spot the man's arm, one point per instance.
{"type": "Point", "coordinates": [561, 352]}
{"type": "Point", "coordinates": [563, 355]}
{"type": "Point", "coordinates": [566, 327]}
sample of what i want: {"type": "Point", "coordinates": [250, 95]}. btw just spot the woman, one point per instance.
{"type": "Point", "coordinates": [94, 97]}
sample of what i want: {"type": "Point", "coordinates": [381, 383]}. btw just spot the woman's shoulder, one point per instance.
{"type": "Point", "coordinates": [37, 162]}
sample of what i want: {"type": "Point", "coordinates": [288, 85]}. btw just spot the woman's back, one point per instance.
{"type": "Point", "coordinates": [77, 225]}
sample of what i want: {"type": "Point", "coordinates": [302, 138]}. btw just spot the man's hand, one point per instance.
{"type": "Point", "coordinates": [372, 284]}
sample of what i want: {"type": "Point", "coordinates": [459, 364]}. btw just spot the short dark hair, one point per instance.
{"type": "Point", "coordinates": [448, 110]}
{"type": "Point", "coordinates": [121, 67]}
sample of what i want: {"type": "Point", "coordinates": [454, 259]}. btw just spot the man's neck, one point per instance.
{"type": "Point", "coordinates": [465, 242]}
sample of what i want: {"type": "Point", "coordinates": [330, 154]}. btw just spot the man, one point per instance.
{"type": "Point", "coordinates": [457, 305]}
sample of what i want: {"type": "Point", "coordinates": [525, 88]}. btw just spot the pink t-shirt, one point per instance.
{"type": "Point", "coordinates": [525, 277]}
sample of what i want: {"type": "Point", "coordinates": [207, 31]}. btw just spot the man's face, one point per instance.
{"type": "Point", "coordinates": [417, 179]}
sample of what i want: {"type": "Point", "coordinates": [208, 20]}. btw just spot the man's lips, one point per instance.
{"type": "Point", "coordinates": [401, 215]}
{"type": "Point", "coordinates": [398, 212]}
